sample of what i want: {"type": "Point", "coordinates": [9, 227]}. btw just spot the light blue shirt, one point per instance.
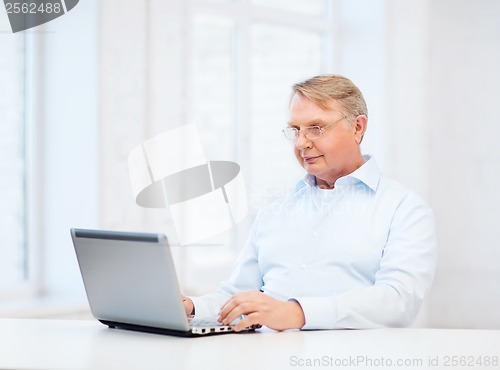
{"type": "Point", "coordinates": [361, 255]}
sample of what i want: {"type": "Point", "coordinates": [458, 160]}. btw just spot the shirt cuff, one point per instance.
{"type": "Point", "coordinates": [208, 305]}
{"type": "Point", "coordinates": [319, 313]}
{"type": "Point", "coordinates": [201, 307]}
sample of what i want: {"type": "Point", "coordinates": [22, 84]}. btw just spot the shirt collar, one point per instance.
{"type": "Point", "coordinates": [368, 173]}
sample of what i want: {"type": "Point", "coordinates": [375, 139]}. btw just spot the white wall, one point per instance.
{"type": "Point", "coordinates": [463, 95]}
{"type": "Point", "coordinates": [442, 91]}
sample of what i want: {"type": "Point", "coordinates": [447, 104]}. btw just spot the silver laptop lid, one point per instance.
{"type": "Point", "coordinates": [130, 278]}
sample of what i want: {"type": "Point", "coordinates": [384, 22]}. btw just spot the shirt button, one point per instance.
{"type": "Point", "coordinates": [315, 233]}
{"type": "Point", "coordinates": [303, 266]}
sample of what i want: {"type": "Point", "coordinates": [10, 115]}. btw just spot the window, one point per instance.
{"type": "Point", "coordinates": [213, 84]}
{"type": "Point", "coordinates": [244, 57]}
{"type": "Point", "coordinates": [281, 56]}
{"type": "Point", "coordinates": [312, 7]}
{"type": "Point", "coordinates": [13, 225]}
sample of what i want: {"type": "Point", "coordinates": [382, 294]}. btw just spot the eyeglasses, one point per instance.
{"type": "Point", "coordinates": [311, 132]}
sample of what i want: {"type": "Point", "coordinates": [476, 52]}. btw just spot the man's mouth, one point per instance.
{"type": "Point", "coordinates": [310, 159]}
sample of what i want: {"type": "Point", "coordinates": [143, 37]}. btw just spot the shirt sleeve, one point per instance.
{"type": "Point", "coordinates": [246, 275]}
{"type": "Point", "coordinates": [405, 276]}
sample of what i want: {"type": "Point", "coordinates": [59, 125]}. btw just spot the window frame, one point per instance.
{"type": "Point", "coordinates": [244, 15]}
{"type": "Point", "coordinates": [30, 285]}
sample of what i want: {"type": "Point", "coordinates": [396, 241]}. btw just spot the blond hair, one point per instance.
{"type": "Point", "coordinates": [320, 89]}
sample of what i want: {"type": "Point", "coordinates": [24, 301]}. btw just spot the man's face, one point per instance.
{"type": "Point", "coordinates": [336, 153]}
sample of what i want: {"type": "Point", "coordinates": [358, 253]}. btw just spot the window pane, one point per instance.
{"type": "Point", "coordinates": [212, 85]}
{"type": "Point", "coordinates": [12, 211]}
{"type": "Point", "coordinates": [212, 109]}
{"type": "Point", "coordinates": [281, 56]}
{"type": "Point", "coordinates": [312, 7]}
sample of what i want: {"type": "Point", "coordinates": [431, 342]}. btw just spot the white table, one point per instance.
{"type": "Point", "coordinates": [70, 344]}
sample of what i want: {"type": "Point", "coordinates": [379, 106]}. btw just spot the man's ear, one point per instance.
{"type": "Point", "coordinates": [360, 127]}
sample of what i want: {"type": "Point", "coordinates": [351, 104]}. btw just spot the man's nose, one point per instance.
{"type": "Point", "coordinates": [302, 142]}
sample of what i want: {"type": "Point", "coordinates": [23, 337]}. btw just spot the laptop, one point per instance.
{"type": "Point", "coordinates": [131, 283]}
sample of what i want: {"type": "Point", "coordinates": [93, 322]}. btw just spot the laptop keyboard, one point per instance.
{"type": "Point", "coordinates": [204, 321]}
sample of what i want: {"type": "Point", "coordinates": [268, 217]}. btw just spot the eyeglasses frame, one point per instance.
{"type": "Point", "coordinates": [321, 129]}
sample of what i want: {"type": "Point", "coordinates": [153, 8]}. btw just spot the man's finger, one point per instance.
{"type": "Point", "coordinates": [232, 315]}
{"type": "Point", "coordinates": [249, 321]}
{"type": "Point", "coordinates": [226, 309]}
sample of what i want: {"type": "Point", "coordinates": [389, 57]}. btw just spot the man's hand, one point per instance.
{"type": "Point", "coordinates": [262, 310]}
{"type": "Point", "coordinates": [188, 305]}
